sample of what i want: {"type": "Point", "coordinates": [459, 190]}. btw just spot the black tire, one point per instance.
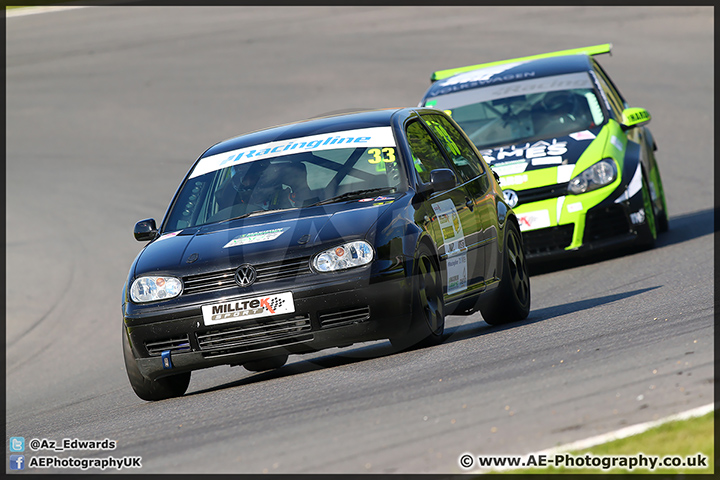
{"type": "Point", "coordinates": [648, 231]}
{"type": "Point", "coordinates": [270, 363]}
{"type": "Point", "coordinates": [661, 217]}
{"type": "Point", "coordinates": [150, 390]}
{"type": "Point", "coordinates": [428, 309]}
{"type": "Point", "coordinates": [511, 300]}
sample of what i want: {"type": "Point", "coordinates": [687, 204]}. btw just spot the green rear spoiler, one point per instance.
{"type": "Point", "coordinates": [594, 50]}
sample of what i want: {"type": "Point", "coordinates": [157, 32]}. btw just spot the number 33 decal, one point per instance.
{"type": "Point", "coordinates": [386, 155]}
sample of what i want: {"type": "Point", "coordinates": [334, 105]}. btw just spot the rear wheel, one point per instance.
{"type": "Point", "coordinates": [160, 389]}
{"type": "Point", "coordinates": [428, 310]}
{"type": "Point", "coordinates": [511, 300]}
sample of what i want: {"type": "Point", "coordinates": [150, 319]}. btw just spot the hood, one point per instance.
{"type": "Point", "coordinates": [261, 238]}
{"type": "Point", "coordinates": [542, 154]}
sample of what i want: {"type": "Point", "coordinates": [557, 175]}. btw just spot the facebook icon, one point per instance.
{"type": "Point", "coordinates": [17, 462]}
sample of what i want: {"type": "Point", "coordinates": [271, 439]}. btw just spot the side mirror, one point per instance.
{"type": "Point", "coordinates": [145, 230]}
{"type": "Point", "coordinates": [442, 179]}
{"type": "Point", "coordinates": [634, 117]}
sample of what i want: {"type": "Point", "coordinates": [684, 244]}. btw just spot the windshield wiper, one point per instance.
{"type": "Point", "coordinates": [353, 194]}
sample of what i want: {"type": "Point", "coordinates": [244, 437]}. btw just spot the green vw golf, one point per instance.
{"type": "Point", "coordinates": [576, 163]}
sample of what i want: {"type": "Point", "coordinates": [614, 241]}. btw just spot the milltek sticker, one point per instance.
{"type": "Point", "coordinates": [360, 138]}
{"type": "Point", "coordinates": [263, 306]}
{"type": "Point", "coordinates": [255, 237]}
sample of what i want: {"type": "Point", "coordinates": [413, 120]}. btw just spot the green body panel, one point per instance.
{"type": "Point", "coordinates": [571, 208]}
{"type": "Point", "coordinates": [594, 50]}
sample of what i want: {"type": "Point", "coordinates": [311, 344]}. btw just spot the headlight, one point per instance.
{"type": "Point", "coordinates": [602, 173]}
{"type": "Point", "coordinates": [347, 255]}
{"type": "Point", "coordinates": [150, 289]}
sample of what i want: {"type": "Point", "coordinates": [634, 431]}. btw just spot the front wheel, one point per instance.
{"type": "Point", "coordinates": [428, 309]}
{"type": "Point", "coordinates": [648, 233]}
{"type": "Point", "coordinates": [511, 300]}
{"type": "Point", "coordinates": [160, 389]}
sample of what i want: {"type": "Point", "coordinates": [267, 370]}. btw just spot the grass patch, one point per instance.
{"type": "Point", "coordinates": [683, 438]}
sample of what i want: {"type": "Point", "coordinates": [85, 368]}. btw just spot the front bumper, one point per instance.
{"type": "Point", "coordinates": [344, 309]}
{"type": "Point", "coordinates": [606, 226]}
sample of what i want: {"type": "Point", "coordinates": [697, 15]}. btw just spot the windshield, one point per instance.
{"type": "Point", "coordinates": [260, 179]}
{"type": "Point", "coordinates": [524, 111]}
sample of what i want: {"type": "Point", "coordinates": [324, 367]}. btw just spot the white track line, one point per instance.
{"type": "Point", "coordinates": [609, 437]}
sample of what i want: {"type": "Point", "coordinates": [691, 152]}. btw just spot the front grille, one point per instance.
{"type": "Point", "coordinates": [344, 317]}
{"type": "Point", "coordinates": [606, 222]}
{"type": "Point", "coordinates": [541, 193]}
{"type": "Point", "coordinates": [546, 240]}
{"type": "Point", "coordinates": [221, 279]}
{"type": "Point", "coordinates": [254, 335]}
{"type": "Point", "coordinates": [178, 344]}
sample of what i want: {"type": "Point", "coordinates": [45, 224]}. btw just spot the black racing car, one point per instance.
{"type": "Point", "coordinates": [318, 234]}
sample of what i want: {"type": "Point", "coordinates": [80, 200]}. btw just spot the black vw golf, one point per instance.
{"type": "Point", "coordinates": [317, 234]}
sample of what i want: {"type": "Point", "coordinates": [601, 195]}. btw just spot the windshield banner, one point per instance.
{"type": "Point", "coordinates": [360, 138]}
{"type": "Point", "coordinates": [525, 87]}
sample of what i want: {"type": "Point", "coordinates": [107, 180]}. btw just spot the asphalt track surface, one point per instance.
{"type": "Point", "coordinates": [108, 107]}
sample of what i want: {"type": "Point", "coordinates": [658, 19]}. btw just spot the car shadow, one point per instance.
{"type": "Point", "coordinates": [682, 228]}
{"type": "Point", "coordinates": [458, 333]}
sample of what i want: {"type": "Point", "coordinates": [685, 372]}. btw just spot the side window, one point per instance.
{"type": "Point", "coordinates": [457, 148]}
{"type": "Point", "coordinates": [426, 154]}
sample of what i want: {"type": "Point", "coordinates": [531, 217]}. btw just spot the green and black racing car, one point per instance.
{"type": "Point", "coordinates": [576, 163]}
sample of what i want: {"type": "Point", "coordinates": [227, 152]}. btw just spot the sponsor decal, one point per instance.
{"type": "Point", "coordinates": [574, 207]}
{"type": "Point", "coordinates": [584, 135]}
{"type": "Point", "coordinates": [455, 248]}
{"type": "Point", "coordinates": [461, 90]}
{"type": "Point", "coordinates": [360, 138]}
{"type": "Point", "coordinates": [547, 161]}
{"type": "Point", "coordinates": [638, 116]}
{"type": "Point", "coordinates": [246, 308]}
{"type": "Point", "coordinates": [530, 152]}
{"type": "Point", "coordinates": [513, 180]}
{"type": "Point", "coordinates": [510, 168]}
{"type": "Point", "coordinates": [457, 274]}
{"type": "Point", "coordinates": [564, 173]}
{"type": "Point", "coordinates": [256, 237]}
{"type": "Point", "coordinates": [534, 220]}
{"type": "Point", "coordinates": [616, 143]}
